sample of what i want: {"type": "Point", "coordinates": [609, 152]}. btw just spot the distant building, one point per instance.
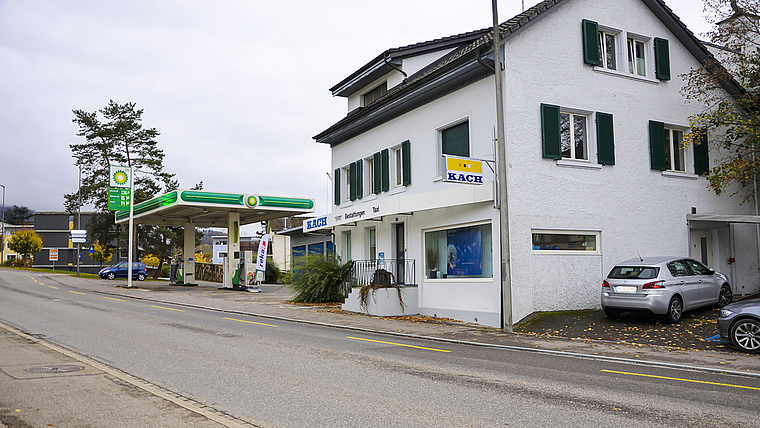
{"type": "Point", "coordinates": [54, 227]}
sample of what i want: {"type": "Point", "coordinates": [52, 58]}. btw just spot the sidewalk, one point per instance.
{"type": "Point", "coordinates": [583, 332]}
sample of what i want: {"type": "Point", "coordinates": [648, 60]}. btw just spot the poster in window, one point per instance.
{"type": "Point", "coordinates": [464, 256]}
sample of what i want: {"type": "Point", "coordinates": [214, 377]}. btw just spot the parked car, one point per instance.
{"type": "Point", "coordinates": [665, 286]}
{"type": "Point", "coordinates": [740, 323]}
{"type": "Point", "coordinates": [120, 270]}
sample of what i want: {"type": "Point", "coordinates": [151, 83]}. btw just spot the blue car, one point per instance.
{"type": "Point", "coordinates": [120, 270]}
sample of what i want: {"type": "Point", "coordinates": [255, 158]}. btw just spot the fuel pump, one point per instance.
{"type": "Point", "coordinates": [248, 272]}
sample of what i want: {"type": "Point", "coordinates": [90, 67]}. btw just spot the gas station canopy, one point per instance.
{"type": "Point", "coordinates": [211, 209]}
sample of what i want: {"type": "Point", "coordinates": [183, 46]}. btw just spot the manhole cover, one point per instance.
{"type": "Point", "coordinates": [55, 368]}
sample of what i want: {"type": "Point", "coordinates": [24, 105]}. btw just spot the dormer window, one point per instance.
{"type": "Point", "coordinates": [376, 93]}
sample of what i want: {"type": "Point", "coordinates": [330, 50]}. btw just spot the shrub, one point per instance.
{"type": "Point", "coordinates": [272, 274]}
{"type": "Point", "coordinates": [317, 279]}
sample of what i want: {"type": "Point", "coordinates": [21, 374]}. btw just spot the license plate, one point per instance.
{"type": "Point", "coordinates": [625, 289]}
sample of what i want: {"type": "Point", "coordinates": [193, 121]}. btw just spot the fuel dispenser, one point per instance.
{"type": "Point", "coordinates": [244, 275]}
{"type": "Point", "coordinates": [175, 274]}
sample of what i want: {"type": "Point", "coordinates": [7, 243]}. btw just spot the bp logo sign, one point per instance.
{"type": "Point", "coordinates": [119, 176]}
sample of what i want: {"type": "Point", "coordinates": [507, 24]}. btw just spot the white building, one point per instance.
{"type": "Point", "coordinates": [595, 169]}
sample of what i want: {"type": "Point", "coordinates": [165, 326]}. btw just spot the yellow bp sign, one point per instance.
{"type": "Point", "coordinates": [463, 170]}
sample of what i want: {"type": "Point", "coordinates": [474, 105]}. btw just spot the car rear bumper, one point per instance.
{"type": "Point", "coordinates": [656, 304]}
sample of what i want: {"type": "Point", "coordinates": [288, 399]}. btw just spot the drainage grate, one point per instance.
{"type": "Point", "coordinates": [55, 368]}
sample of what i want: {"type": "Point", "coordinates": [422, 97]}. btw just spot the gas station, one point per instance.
{"type": "Point", "coordinates": [197, 208]}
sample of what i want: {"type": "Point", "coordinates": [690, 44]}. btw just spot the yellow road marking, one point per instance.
{"type": "Point", "coordinates": [684, 380]}
{"type": "Point", "coordinates": [41, 283]}
{"type": "Point", "coordinates": [75, 292]}
{"type": "Point", "coordinates": [171, 309]}
{"type": "Point", "coordinates": [52, 287]}
{"type": "Point", "coordinates": [111, 298]}
{"type": "Point", "coordinates": [251, 322]}
{"type": "Point", "coordinates": [397, 344]}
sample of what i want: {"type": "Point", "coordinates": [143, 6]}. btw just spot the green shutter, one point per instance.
{"type": "Point", "coordinates": [661, 59]}
{"type": "Point", "coordinates": [386, 179]}
{"type": "Point", "coordinates": [605, 139]}
{"type": "Point", "coordinates": [336, 183]}
{"type": "Point", "coordinates": [701, 153]}
{"type": "Point", "coordinates": [377, 173]}
{"type": "Point", "coordinates": [657, 145]}
{"type": "Point", "coordinates": [591, 43]}
{"type": "Point", "coordinates": [352, 181]}
{"type": "Point", "coordinates": [359, 179]}
{"type": "Point", "coordinates": [551, 140]}
{"type": "Point", "coordinates": [407, 165]}
{"type": "Point", "coordinates": [455, 141]}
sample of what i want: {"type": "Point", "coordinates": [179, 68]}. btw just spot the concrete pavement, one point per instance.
{"type": "Point", "coordinates": [64, 398]}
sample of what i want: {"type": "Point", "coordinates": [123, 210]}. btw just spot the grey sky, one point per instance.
{"type": "Point", "coordinates": [236, 88]}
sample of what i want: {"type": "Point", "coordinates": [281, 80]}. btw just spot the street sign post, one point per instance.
{"type": "Point", "coordinates": [53, 252]}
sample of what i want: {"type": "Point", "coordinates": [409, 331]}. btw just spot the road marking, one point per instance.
{"type": "Point", "coordinates": [171, 309]}
{"type": "Point", "coordinates": [75, 292]}
{"type": "Point", "coordinates": [111, 298]}
{"type": "Point", "coordinates": [397, 344]}
{"type": "Point", "coordinates": [52, 287]}
{"type": "Point", "coordinates": [683, 380]}
{"type": "Point", "coordinates": [251, 322]}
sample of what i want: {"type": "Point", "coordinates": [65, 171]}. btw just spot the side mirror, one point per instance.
{"type": "Point", "coordinates": [710, 271]}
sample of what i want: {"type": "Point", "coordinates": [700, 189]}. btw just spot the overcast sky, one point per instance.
{"type": "Point", "coordinates": [236, 88]}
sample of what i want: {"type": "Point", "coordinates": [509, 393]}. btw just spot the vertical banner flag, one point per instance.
{"type": "Point", "coordinates": [119, 180]}
{"type": "Point", "coordinates": [261, 260]}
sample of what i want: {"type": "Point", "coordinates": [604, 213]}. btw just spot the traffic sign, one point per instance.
{"type": "Point", "coordinates": [79, 236]}
{"type": "Point", "coordinates": [92, 249]}
{"type": "Point", "coordinates": [53, 254]}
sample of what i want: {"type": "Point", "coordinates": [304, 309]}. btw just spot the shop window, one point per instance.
{"type": "Point", "coordinates": [565, 242]}
{"type": "Point", "coordinates": [463, 252]}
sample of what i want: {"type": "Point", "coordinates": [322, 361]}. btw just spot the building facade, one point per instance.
{"type": "Point", "coordinates": [597, 167]}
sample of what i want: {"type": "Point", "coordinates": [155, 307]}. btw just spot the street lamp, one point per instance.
{"type": "Point", "coordinates": [2, 231]}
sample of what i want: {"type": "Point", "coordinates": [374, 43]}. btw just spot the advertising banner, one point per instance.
{"type": "Point", "coordinates": [261, 259]}
{"type": "Point", "coordinates": [464, 252]}
{"type": "Point", "coordinates": [119, 187]}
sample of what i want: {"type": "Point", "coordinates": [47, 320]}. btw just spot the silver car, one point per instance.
{"type": "Point", "coordinates": [664, 286]}
{"type": "Point", "coordinates": [740, 323]}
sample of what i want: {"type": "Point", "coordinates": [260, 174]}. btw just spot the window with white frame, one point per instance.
{"type": "Point", "coordinates": [674, 150]}
{"type": "Point", "coordinates": [608, 49]}
{"type": "Point", "coordinates": [637, 57]}
{"type": "Point", "coordinates": [398, 167]}
{"type": "Point", "coordinates": [372, 241]}
{"type": "Point", "coordinates": [459, 252]}
{"type": "Point", "coordinates": [370, 167]}
{"type": "Point", "coordinates": [455, 141]}
{"type": "Point", "coordinates": [565, 242]}
{"type": "Point", "coordinates": [346, 184]}
{"type": "Point", "coordinates": [574, 135]}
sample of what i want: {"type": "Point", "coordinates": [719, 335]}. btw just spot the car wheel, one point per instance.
{"type": "Point", "coordinates": [745, 334]}
{"type": "Point", "coordinates": [726, 296]}
{"type": "Point", "coordinates": [675, 310]}
{"type": "Point", "coordinates": [141, 277]}
{"type": "Point", "coordinates": [111, 275]}
{"type": "Point", "coordinates": [612, 313]}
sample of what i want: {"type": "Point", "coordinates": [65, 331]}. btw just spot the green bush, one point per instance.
{"type": "Point", "coordinates": [272, 274]}
{"type": "Point", "coordinates": [317, 279]}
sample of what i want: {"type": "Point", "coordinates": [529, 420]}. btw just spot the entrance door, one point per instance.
{"type": "Point", "coordinates": [400, 246]}
{"type": "Point", "coordinates": [701, 246]}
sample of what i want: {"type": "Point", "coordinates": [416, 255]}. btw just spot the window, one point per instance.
{"type": "Point", "coordinates": [636, 57]}
{"type": "Point", "coordinates": [370, 174]}
{"type": "Point", "coordinates": [678, 268]}
{"type": "Point", "coordinates": [607, 51]}
{"type": "Point", "coordinates": [372, 244]}
{"type": "Point", "coordinates": [565, 135]}
{"type": "Point", "coordinates": [697, 268]}
{"type": "Point", "coordinates": [402, 165]}
{"type": "Point", "coordinates": [674, 151]}
{"type": "Point", "coordinates": [455, 140]}
{"type": "Point", "coordinates": [347, 240]}
{"type": "Point", "coordinates": [376, 93]}
{"type": "Point", "coordinates": [667, 149]}
{"type": "Point", "coordinates": [463, 252]}
{"type": "Point", "coordinates": [573, 136]}
{"type": "Point", "coordinates": [317, 249]}
{"type": "Point", "coordinates": [299, 251]}
{"type": "Point", "coordinates": [566, 242]}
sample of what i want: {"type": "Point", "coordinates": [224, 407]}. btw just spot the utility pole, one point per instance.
{"type": "Point", "coordinates": [501, 181]}
{"type": "Point", "coordinates": [79, 219]}
{"type": "Point", "coordinates": [2, 233]}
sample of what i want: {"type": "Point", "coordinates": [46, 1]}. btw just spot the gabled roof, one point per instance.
{"type": "Point", "coordinates": [466, 65]}
{"type": "Point", "coordinates": [391, 59]}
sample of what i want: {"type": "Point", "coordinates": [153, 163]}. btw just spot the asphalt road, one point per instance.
{"type": "Point", "coordinates": [276, 373]}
